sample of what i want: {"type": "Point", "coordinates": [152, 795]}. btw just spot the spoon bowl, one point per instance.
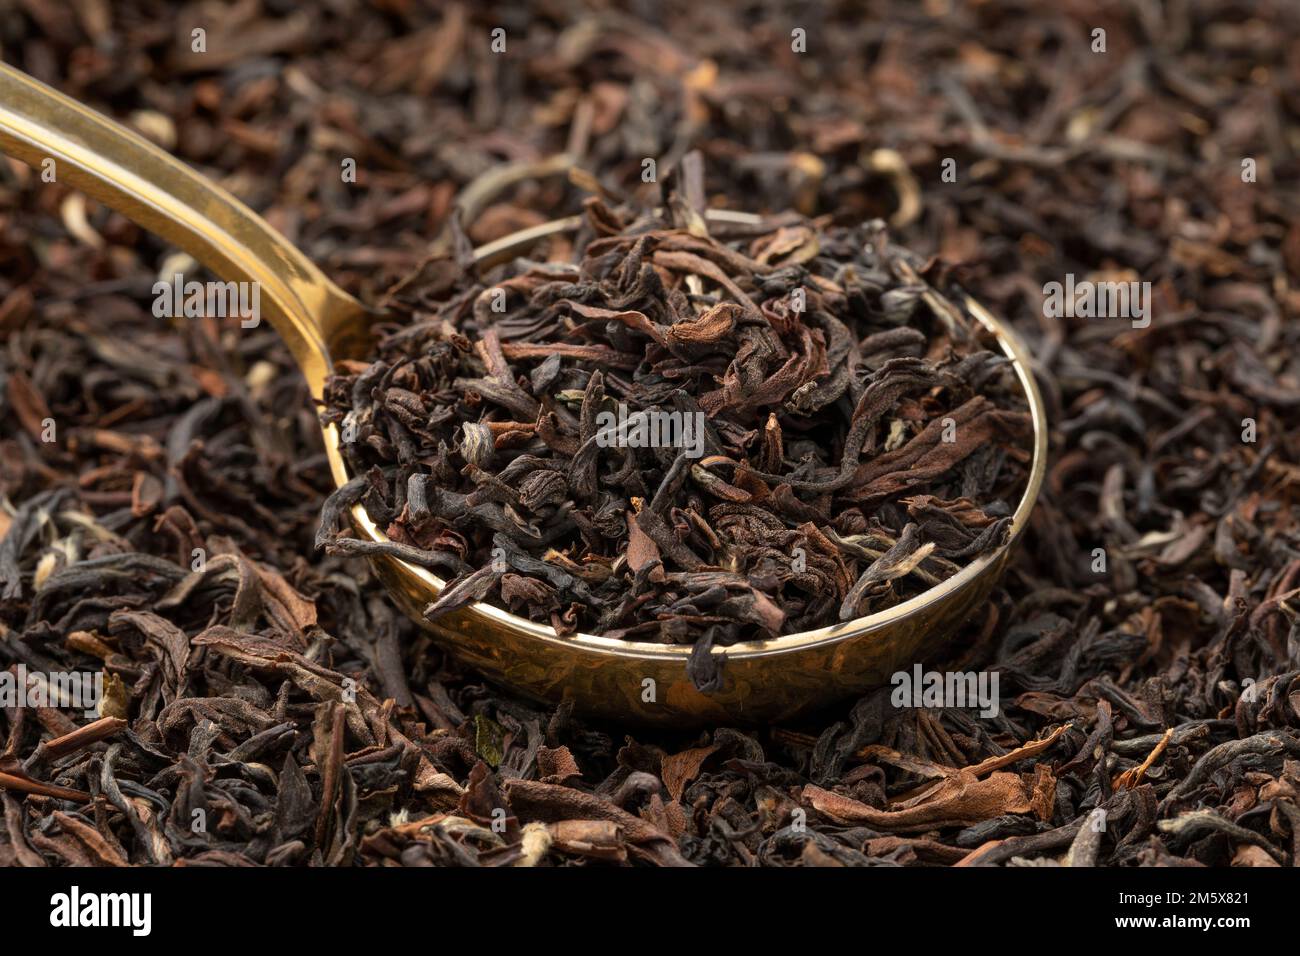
{"type": "Point", "coordinates": [635, 682]}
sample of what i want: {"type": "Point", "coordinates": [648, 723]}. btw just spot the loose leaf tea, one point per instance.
{"type": "Point", "coordinates": [685, 435]}
{"type": "Point", "coordinates": [1149, 696]}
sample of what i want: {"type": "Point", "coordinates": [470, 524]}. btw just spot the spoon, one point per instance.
{"type": "Point", "coordinates": [772, 680]}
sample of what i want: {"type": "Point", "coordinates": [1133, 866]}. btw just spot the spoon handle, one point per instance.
{"type": "Point", "coordinates": [77, 146]}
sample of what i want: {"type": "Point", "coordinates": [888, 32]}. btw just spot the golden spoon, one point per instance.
{"type": "Point", "coordinates": [770, 680]}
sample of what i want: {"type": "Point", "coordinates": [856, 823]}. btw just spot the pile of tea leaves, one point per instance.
{"type": "Point", "coordinates": [1157, 692]}
{"type": "Point", "coordinates": [720, 432]}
